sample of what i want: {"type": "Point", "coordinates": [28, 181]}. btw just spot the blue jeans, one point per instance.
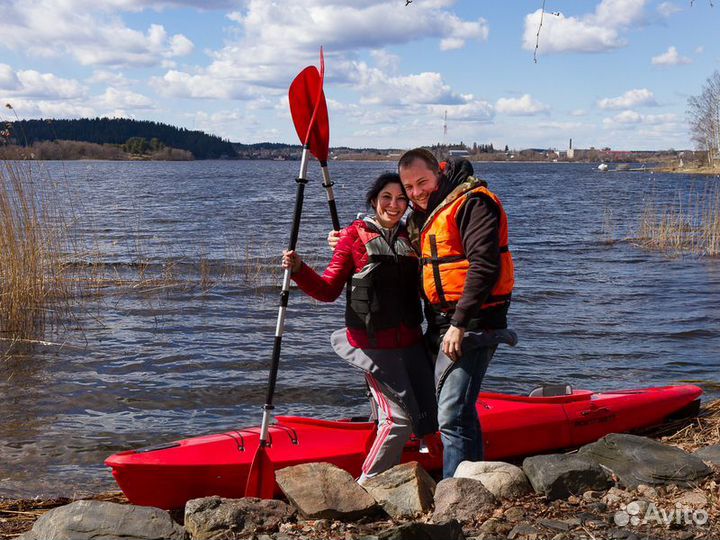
{"type": "Point", "coordinates": [457, 416]}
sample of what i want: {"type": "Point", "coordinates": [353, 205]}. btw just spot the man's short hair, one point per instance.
{"type": "Point", "coordinates": [409, 157]}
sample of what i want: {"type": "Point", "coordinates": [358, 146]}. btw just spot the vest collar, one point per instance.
{"type": "Point", "coordinates": [468, 185]}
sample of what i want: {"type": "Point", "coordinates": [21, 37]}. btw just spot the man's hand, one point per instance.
{"type": "Point", "coordinates": [452, 343]}
{"type": "Point", "coordinates": [333, 239]}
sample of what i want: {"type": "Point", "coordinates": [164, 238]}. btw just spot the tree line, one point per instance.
{"type": "Point", "coordinates": [136, 136]}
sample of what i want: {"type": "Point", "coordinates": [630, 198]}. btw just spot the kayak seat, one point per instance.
{"type": "Point", "coordinates": [551, 390]}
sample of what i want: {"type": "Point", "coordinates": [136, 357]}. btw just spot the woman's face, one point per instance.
{"type": "Point", "coordinates": [390, 205]}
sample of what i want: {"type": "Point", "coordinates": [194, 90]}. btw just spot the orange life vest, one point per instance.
{"type": "Point", "coordinates": [444, 264]}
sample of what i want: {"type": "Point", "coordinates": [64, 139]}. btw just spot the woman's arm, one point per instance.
{"type": "Point", "coordinates": [328, 287]}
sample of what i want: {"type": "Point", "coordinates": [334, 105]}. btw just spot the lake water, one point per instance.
{"type": "Point", "coordinates": [143, 365]}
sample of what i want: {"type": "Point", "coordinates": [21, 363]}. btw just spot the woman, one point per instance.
{"type": "Point", "coordinates": [382, 317]}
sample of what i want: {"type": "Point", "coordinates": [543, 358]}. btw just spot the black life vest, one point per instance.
{"type": "Point", "coordinates": [386, 292]}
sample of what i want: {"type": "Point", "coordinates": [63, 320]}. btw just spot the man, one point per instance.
{"type": "Point", "coordinates": [460, 229]}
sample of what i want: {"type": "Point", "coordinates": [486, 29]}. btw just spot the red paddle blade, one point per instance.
{"type": "Point", "coordinates": [309, 111]}
{"type": "Point", "coordinates": [261, 477]}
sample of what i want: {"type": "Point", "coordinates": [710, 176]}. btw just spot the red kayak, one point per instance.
{"type": "Point", "coordinates": [169, 475]}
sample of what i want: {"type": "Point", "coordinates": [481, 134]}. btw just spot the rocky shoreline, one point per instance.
{"type": "Point", "coordinates": [622, 487]}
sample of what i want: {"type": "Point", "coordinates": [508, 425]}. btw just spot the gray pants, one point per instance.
{"type": "Point", "coordinates": [394, 429]}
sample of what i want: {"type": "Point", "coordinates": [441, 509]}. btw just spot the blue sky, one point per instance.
{"type": "Point", "coordinates": [611, 73]}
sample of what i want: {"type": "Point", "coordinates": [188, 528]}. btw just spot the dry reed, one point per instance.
{"type": "Point", "coordinates": [688, 224]}
{"type": "Point", "coordinates": [33, 285]}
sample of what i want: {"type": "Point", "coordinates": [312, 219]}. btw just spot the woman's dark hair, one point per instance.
{"type": "Point", "coordinates": [379, 184]}
{"type": "Point", "coordinates": [423, 154]}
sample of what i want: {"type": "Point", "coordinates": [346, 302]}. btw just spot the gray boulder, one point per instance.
{"type": "Point", "coordinates": [557, 476]}
{"type": "Point", "coordinates": [404, 491]}
{"type": "Point", "coordinates": [213, 518]}
{"type": "Point", "coordinates": [710, 454]}
{"type": "Point", "coordinates": [463, 499]}
{"type": "Point", "coordinates": [638, 460]}
{"type": "Point", "coordinates": [450, 530]}
{"type": "Point", "coordinates": [324, 491]}
{"type": "Point", "coordinates": [100, 520]}
{"type": "Point", "coordinates": [503, 480]}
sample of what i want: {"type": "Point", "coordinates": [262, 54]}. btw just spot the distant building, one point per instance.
{"type": "Point", "coordinates": [458, 153]}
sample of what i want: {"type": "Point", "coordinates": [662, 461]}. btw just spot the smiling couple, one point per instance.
{"type": "Point", "coordinates": [453, 250]}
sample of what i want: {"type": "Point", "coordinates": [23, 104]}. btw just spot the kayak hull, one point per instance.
{"type": "Point", "coordinates": [167, 476]}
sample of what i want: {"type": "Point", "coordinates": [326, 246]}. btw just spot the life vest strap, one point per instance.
{"type": "Point", "coordinates": [435, 261]}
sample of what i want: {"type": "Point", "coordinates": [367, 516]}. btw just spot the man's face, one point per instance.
{"type": "Point", "coordinates": [420, 182]}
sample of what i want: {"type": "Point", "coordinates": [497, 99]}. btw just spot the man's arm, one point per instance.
{"type": "Point", "coordinates": [478, 222]}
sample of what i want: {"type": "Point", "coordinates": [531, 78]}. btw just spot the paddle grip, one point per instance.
{"type": "Point", "coordinates": [297, 213]}
{"type": "Point", "coordinates": [334, 215]}
{"type": "Point", "coordinates": [272, 377]}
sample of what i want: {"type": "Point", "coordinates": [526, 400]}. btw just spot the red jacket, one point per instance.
{"type": "Point", "coordinates": [349, 258]}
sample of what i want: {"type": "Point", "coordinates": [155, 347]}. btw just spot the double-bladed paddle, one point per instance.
{"type": "Point", "coordinates": [309, 113]}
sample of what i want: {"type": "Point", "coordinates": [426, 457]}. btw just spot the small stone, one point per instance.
{"type": "Point", "coordinates": [450, 530]}
{"type": "Point", "coordinates": [503, 480]}
{"type": "Point", "coordinates": [647, 492]}
{"type": "Point", "coordinates": [572, 499]}
{"type": "Point", "coordinates": [404, 491]}
{"type": "Point", "coordinates": [524, 531]}
{"type": "Point", "coordinates": [514, 514]}
{"type": "Point", "coordinates": [324, 491]}
{"type": "Point", "coordinates": [490, 525]}
{"type": "Point", "coordinates": [554, 524]}
{"type": "Point", "coordinates": [592, 495]}
{"type": "Point", "coordinates": [615, 496]}
{"type": "Point", "coordinates": [462, 499]}
{"type": "Point", "coordinates": [86, 520]}
{"type": "Point", "coordinates": [619, 534]}
{"type": "Point", "coordinates": [693, 499]}
{"type": "Point", "coordinates": [597, 507]}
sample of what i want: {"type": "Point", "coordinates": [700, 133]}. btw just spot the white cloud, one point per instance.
{"type": "Point", "coordinates": [595, 32]}
{"type": "Point", "coordinates": [342, 26]}
{"type": "Point", "coordinates": [111, 78]}
{"type": "Point", "coordinates": [31, 83]}
{"type": "Point", "coordinates": [114, 98]}
{"type": "Point", "coordinates": [185, 85]}
{"type": "Point", "coordinates": [376, 87]}
{"type": "Point", "coordinates": [633, 118]}
{"type": "Point", "coordinates": [386, 61]}
{"type": "Point", "coordinates": [473, 111]}
{"type": "Point", "coordinates": [671, 57]}
{"type": "Point", "coordinates": [88, 31]}
{"type": "Point", "coordinates": [668, 9]}
{"type": "Point", "coordinates": [631, 98]}
{"type": "Point", "coordinates": [522, 106]}
{"type": "Point", "coordinates": [8, 78]}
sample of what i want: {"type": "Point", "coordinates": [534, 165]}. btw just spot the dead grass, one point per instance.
{"type": "Point", "coordinates": [683, 225]}
{"type": "Point", "coordinates": [34, 290]}
{"type": "Point", "coordinates": [704, 430]}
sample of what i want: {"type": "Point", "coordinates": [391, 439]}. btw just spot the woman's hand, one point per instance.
{"type": "Point", "coordinates": [333, 239]}
{"type": "Point", "coordinates": [452, 343]}
{"type": "Point", "coordinates": [291, 260]}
